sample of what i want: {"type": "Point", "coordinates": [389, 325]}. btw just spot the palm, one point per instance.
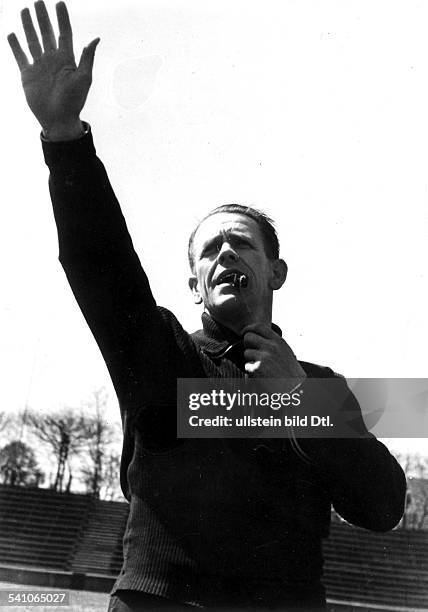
{"type": "Point", "coordinates": [55, 88]}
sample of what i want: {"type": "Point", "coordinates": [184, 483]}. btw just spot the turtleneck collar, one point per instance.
{"type": "Point", "coordinates": [216, 338]}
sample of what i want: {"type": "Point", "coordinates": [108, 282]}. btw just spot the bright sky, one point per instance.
{"type": "Point", "coordinates": [314, 111]}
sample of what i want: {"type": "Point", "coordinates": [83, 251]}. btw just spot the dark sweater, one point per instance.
{"type": "Point", "coordinates": [211, 521]}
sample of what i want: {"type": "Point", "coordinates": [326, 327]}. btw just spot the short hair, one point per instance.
{"type": "Point", "coordinates": [265, 223]}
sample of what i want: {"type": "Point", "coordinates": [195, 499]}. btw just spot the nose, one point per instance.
{"type": "Point", "coordinates": [227, 254]}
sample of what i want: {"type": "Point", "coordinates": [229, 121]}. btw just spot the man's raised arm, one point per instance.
{"type": "Point", "coordinates": [95, 248]}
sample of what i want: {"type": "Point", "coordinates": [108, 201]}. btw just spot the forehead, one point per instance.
{"type": "Point", "coordinates": [227, 223]}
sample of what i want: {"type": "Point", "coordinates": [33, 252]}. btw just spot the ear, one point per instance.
{"type": "Point", "coordinates": [279, 274]}
{"type": "Point", "coordinates": [193, 284]}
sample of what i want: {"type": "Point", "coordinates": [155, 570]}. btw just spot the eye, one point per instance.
{"type": "Point", "coordinates": [212, 247]}
{"type": "Point", "coordinates": [241, 242]}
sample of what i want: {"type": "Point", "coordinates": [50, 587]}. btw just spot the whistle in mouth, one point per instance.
{"type": "Point", "coordinates": [240, 281]}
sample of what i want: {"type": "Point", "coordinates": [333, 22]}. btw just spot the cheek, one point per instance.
{"type": "Point", "coordinates": [264, 275]}
{"type": "Point", "coordinates": [203, 279]}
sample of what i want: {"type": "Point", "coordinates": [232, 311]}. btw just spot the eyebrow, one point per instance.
{"type": "Point", "coordinates": [229, 233]}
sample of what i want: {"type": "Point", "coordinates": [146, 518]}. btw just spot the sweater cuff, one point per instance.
{"type": "Point", "coordinates": [77, 150]}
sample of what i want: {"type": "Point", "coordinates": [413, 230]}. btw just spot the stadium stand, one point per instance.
{"type": "Point", "coordinates": [83, 536]}
{"type": "Point", "coordinates": [40, 527]}
{"type": "Point", "coordinates": [100, 550]}
{"type": "Point", "coordinates": [381, 568]}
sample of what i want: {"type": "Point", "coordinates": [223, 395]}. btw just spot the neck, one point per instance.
{"type": "Point", "coordinates": [240, 320]}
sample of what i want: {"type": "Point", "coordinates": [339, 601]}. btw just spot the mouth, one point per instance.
{"type": "Point", "coordinates": [233, 277]}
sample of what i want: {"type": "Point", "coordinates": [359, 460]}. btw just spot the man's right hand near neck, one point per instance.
{"type": "Point", "coordinates": [55, 87]}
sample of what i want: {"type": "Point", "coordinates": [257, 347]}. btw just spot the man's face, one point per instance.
{"type": "Point", "coordinates": [225, 243]}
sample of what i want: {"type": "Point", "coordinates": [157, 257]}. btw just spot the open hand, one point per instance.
{"type": "Point", "coordinates": [267, 355]}
{"type": "Point", "coordinates": [55, 88]}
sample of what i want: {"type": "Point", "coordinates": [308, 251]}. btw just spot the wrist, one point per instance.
{"type": "Point", "coordinates": [64, 131]}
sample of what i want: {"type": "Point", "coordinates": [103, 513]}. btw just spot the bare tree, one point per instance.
{"type": "Point", "coordinates": [415, 467]}
{"type": "Point", "coordinates": [85, 445]}
{"type": "Point", "coordinates": [65, 433]}
{"type": "Point", "coordinates": [111, 483]}
{"type": "Point", "coordinates": [5, 420]}
{"type": "Point", "coordinates": [102, 438]}
{"type": "Point", "coordinates": [18, 465]}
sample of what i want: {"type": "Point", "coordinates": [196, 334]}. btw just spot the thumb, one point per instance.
{"type": "Point", "coordinates": [87, 58]}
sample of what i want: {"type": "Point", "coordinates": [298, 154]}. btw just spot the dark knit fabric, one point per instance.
{"type": "Point", "coordinates": [212, 522]}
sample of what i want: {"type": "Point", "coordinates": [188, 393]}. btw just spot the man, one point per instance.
{"type": "Point", "coordinates": [228, 523]}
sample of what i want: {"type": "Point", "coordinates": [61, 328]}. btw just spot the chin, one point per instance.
{"type": "Point", "coordinates": [226, 307]}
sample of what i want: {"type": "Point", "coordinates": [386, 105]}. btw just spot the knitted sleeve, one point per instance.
{"type": "Point", "coordinates": [142, 345]}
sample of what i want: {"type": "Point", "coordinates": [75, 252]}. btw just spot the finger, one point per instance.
{"type": "Point", "coordinates": [260, 329]}
{"type": "Point", "coordinates": [21, 58]}
{"type": "Point", "coordinates": [46, 29]}
{"type": "Point", "coordinates": [253, 340]}
{"type": "Point", "coordinates": [65, 40]}
{"type": "Point", "coordinates": [251, 355]}
{"type": "Point", "coordinates": [87, 59]}
{"type": "Point", "coordinates": [31, 34]}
